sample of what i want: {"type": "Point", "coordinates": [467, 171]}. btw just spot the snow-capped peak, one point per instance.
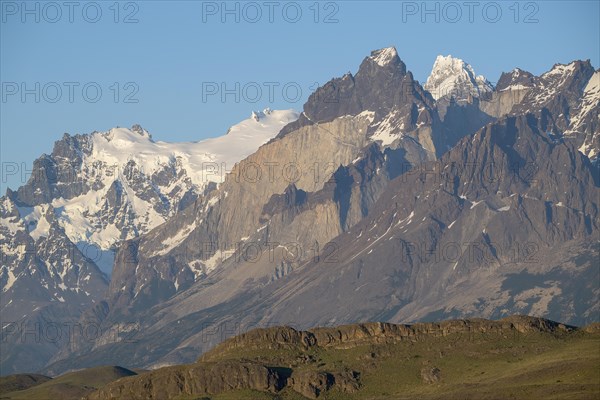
{"type": "Point", "coordinates": [384, 56]}
{"type": "Point", "coordinates": [452, 76]}
{"type": "Point", "coordinates": [132, 183]}
{"type": "Point", "coordinates": [120, 145]}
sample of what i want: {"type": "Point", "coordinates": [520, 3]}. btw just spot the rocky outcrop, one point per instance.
{"type": "Point", "coordinates": [313, 384]}
{"type": "Point", "coordinates": [431, 374]}
{"type": "Point", "coordinates": [223, 376]}
{"type": "Point", "coordinates": [194, 380]}
{"type": "Point", "coordinates": [217, 225]}
{"type": "Point", "coordinates": [349, 336]}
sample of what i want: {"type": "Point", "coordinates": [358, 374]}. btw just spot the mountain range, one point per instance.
{"type": "Point", "coordinates": [383, 200]}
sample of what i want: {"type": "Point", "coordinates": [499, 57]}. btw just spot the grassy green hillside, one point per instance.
{"type": "Point", "coordinates": [514, 358]}
{"type": "Point", "coordinates": [74, 385]}
{"type": "Point", "coordinates": [535, 366]}
{"type": "Point", "coordinates": [21, 382]}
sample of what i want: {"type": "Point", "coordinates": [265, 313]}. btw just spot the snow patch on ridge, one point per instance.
{"type": "Point", "coordinates": [174, 241]}
{"type": "Point", "coordinates": [590, 103]}
{"type": "Point", "coordinates": [10, 280]}
{"type": "Point", "coordinates": [389, 129]}
{"type": "Point", "coordinates": [552, 82]}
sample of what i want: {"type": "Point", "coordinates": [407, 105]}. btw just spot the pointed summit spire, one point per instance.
{"type": "Point", "coordinates": [384, 56]}
{"type": "Point", "coordinates": [385, 59]}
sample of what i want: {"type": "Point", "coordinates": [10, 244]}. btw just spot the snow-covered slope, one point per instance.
{"type": "Point", "coordinates": [125, 183]}
{"type": "Point", "coordinates": [452, 76]}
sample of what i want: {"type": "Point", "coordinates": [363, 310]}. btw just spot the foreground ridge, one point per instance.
{"type": "Point", "coordinates": [466, 358]}
{"type": "Point", "coordinates": [381, 332]}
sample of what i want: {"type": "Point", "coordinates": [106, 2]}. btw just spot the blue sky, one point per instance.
{"type": "Point", "coordinates": [155, 62]}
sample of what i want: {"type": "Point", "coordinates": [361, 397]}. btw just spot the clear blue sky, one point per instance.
{"type": "Point", "coordinates": [177, 47]}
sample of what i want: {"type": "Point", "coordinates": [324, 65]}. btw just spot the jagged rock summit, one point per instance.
{"type": "Point", "coordinates": [385, 57]}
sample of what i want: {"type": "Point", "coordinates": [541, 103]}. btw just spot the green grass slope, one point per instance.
{"type": "Point", "coordinates": [70, 386]}
{"type": "Point", "coordinates": [514, 358]}
{"type": "Point", "coordinates": [15, 382]}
